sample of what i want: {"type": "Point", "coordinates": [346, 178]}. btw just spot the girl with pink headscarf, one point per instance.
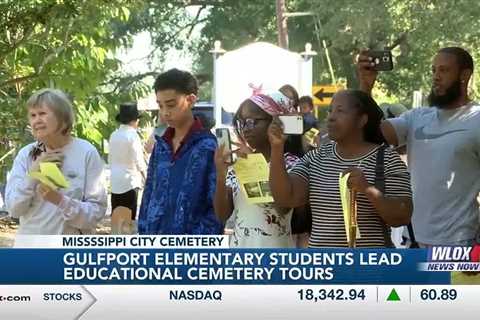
{"type": "Point", "coordinates": [255, 225]}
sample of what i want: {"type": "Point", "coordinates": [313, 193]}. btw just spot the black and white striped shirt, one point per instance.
{"type": "Point", "coordinates": [321, 169]}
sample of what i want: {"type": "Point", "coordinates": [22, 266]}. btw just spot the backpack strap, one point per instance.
{"type": "Point", "coordinates": [380, 185]}
{"type": "Point", "coordinates": [380, 169]}
{"type": "Point", "coordinates": [411, 235]}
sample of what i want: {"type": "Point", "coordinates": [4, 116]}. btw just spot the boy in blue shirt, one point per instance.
{"type": "Point", "coordinates": [178, 195]}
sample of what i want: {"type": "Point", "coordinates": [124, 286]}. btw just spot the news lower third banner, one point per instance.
{"type": "Point", "coordinates": [177, 277]}
{"type": "Point", "coordinates": [137, 260]}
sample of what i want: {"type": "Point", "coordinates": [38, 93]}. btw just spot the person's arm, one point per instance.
{"type": "Point", "coordinates": [211, 223]}
{"type": "Point", "coordinates": [394, 205]}
{"type": "Point", "coordinates": [223, 198]}
{"type": "Point", "coordinates": [394, 211]}
{"type": "Point", "coordinates": [289, 191]}
{"type": "Point", "coordinates": [87, 212]}
{"type": "Point", "coordinates": [366, 78]}
{"type": "Point", "coordinates": [396, 130]}
{"type": "Point", "coordinates": [139, 157]}
{"type": "Point", "coordinates": [147, 193]}
{"type": "Point", "coordinates": [365, 72]}
{"type": "Point", "coordinates": [389, 133]}
{"type": "Point", "coordinates": [20, 189]}
{"type": "Point", "coordinates": [109, 155]}
{"type": "Point", "coordinates": [290, 162]}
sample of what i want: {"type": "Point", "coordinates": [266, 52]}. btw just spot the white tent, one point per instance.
{"type": "Point", "coordinates": [262, 66]}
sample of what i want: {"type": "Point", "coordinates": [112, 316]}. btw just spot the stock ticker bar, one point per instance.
{"type": "Point", "coordinates": [63, 278]}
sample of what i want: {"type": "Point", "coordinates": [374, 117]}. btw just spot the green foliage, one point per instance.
{"type": "Point", "coordinates": [68, 45]}
{"type": "Point", "coordinates": [72, 45]}
{"type": "Point", "coordinates": [418, 28]}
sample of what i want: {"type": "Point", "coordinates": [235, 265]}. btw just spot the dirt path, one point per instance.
{"type": "Point", "coordinates": [8, 228]}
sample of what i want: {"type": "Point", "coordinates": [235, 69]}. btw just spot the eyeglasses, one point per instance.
{"type": "Point", "coordinates": [249, 123]}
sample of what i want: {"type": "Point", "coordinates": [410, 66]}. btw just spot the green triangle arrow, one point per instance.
{"type": "Point", "coordinates": [393, 296]}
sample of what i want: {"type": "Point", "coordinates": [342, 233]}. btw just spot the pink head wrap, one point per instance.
{"type": "Point", "coordinates": [274, 103]}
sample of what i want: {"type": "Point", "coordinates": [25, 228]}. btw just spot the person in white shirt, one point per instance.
{"type": "Point", "coordinates": [41, 210]}
{"type": "Point", "coordinates": [1, 204]}
{"type": "Point", "coordinates": [126, 159]}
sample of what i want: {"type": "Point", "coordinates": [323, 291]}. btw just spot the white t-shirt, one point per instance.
{"type": "Point", "coordinates": [84, 203]}
{"type": "Point", "coordinates": [259, 225]}
{"type": "Point", "coordinates": [126, 159]}
{"type": "Point", "coordinates": [1, 202]}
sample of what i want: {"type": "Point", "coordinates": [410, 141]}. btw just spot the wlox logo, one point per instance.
{"type": "Point", "coordinates": [450, 254]}
{"type": "Point", "coordinates": [453, 259]}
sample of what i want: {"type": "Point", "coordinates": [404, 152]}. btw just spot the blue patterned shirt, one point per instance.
{"type": "Point", "coordinates": [179, 190]}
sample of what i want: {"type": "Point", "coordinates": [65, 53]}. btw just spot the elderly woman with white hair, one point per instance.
{"type": "Point", "coordinates": [42, 210]}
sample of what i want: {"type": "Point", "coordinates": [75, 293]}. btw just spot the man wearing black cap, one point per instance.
{"type": "Point", "coordinates": [127, 164]}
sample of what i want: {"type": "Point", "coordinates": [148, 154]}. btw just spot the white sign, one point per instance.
{"type": "Point", "coordinates": [259, 66]}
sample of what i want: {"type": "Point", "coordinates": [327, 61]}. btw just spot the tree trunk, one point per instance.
{"type": "Point", "coordinates": [282, 24]}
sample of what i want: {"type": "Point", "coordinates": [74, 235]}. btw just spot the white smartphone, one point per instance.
{"type": "Point", "coordinates": [292, 124]}
{"type": "Point", "coordinates": [223, 137]}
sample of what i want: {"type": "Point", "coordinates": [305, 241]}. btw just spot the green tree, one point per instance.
{"type": "Point", "coordinates": [69, 45]}
{"type": "Point", "coordinates": [415, 28]}
{"type": "Point", "coordinates": [72, 45]}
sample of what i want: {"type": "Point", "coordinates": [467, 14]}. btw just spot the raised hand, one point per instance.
{"type": "Point", "coordinates": [275, 133]}
{"type": "Point", "coordinates": [365, 71]}
{"type": "Point", "coordinates": [357, 180]}
{"type": "Point", "coordinates": [243, 149]}
{"type": "Point", "coordinates": [222, 160]}
{"type": "Point", "coordinates": [54, 156]}
{"type": "Point", "coordinates": [48, 194]}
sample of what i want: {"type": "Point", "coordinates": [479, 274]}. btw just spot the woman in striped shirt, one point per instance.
{"type": "Point", "coordinates": [353, 126]}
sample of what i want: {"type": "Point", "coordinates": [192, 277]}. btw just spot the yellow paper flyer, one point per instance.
{"type": "Point", "coordinates": [50, 176]}
{"type": "Point", "coordinates": [346, 199]}
{"type": "Point", "coordinates": [252, 174]}
{"type": "Point", "coordinates": [310, 136]}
